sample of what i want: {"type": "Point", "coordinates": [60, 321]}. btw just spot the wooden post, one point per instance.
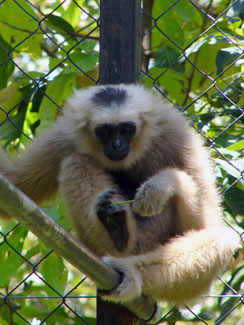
{"type": "Point", "coordinates": [120, 41]}
{"type": "Point", "coordinates": [120, 48]}
{"type": "Point", "coordinates": [114, 314]}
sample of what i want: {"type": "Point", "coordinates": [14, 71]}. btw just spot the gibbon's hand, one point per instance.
{"type": "Point", "coordinates": [113, 218]}
{"type": "Point", "coordinates": [130, 285]}
{"type": "Point", "coordinates": [149, 199]}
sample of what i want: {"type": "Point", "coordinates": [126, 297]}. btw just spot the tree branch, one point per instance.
{"type": "Point", "coordinates": [146, 33]}
{"type": "Point", "coordinates": [30, 215]}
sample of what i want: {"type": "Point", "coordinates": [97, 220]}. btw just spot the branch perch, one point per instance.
{"type": "Point", "coordinates": [30, 215]}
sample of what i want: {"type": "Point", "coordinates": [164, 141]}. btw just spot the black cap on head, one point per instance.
{"type": "Point", "coordinates": [108, 95]}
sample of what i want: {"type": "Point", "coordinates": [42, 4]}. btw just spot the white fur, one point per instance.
{"type": "Point", "coordinates": [177, 271]}
{"type": "Point", "coordinates": [181, 243]}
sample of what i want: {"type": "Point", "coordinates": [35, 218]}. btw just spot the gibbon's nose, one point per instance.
{"type": "Point", "coordinates": [117, 144]}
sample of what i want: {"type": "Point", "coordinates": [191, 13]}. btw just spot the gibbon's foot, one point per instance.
{"type": "Point", "coordinates": [149, 200]}
{"type": "Point", "coordinates": [113, 218]}
{"type": "Point", "coordinates": [130, 285]}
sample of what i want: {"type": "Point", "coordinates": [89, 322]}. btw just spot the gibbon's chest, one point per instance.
{"type": "Point", "coordinates": [126, 183]}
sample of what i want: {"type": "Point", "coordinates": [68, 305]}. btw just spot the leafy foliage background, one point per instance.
{"type": "Point", "coordinates": [49, 48]}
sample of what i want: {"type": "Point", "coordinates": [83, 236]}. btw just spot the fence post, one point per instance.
{"type": "Point", "coordinates": [120, 41]}
{"type": "Point", "coordinates": [120, 48]}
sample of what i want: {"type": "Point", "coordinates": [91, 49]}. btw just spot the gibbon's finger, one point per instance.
{"type": "Point", "coordinates": [104, 198]}
{"type": "Point", "coordinates": [104, 207]}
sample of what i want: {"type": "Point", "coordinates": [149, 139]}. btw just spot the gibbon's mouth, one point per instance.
{"type": "Point", "coordinates": [117, 156]}
{"type": "Point", "coordinates": [116, 151]}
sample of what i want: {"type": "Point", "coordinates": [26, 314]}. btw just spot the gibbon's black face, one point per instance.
{"type": "Point", "coordinates": [115, 139]}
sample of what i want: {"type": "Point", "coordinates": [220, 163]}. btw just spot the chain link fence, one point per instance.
{"type": "Point", "coordinates": [192, 53]}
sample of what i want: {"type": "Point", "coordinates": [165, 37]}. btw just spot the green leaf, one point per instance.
{"type": "Point", "coordinates": [21, 25]}
{"type": "Point", "coordinates": [86, 62]}
{"type": "Point", "coordinates": [58, 213]}
{"type": "Point", "coordinates": [226, 56]}
{"type": "Point", "coordinates": [37, 98]}
{"type": "Point", "coordinates": [59, 24]}
{"type": "Point", "coordinates": [234, 198]}
{"type": "Point", "coordinates": [9, 98]}
{"type": "Point", "coordinates": [187, 12]}
{"type": "Point", "coordinates": [170, 80]}
{"type": "Point", "coordinates": [7, 68]}
{"type": "Point", "coordinates": [18, 114]}
{"type": "Point", "coordinates": [237, 146]}
{"type": "Point", "coordinates": [58, 90]}
{"type": "Point", "coordinates": [239, 164]}
{"type": "Point", "coordinates": [170, 23]}
{"type": "Point", "coordinates": [10, 132]}
{"type": "Point", "coordinates": [87, 46]}
{"type": "Point", "coordinates": [90, 320]}
{"type": "Point", "coordinates": [165, 56]}
{"type": "Point", "coordinates": [5, 314]}
{"type": "Point", "coordinates": [237, 10]}
{"type": "Point", "coordinates": [226, 139]}
{"type": "Point", "coordinates": [9, 259]}
{"type": "Point", "coordinates": [55, 273]}
{"type": "Point", "coordinates": [195, 47]}
{"type": "Point", "coordinates": [72, 13]}
{"type": "Point", "coordinates": [225, 308]}
{"type": "Point", "coordinates": [39, 311]}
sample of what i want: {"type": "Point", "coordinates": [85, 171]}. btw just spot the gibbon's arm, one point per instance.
{"type": "Point", "coordinates": [88, 193]}
{"type": "Point", "coordinates": [178, 271]}
{"type": "Point", "coordinates": [5, 162]}
{"type": "Point", "coordinates": [155, 192]}
{"type": "Point", "coordinates": [35, 171]}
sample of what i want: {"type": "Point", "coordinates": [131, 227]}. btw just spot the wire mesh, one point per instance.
{"type": "Point", "coordinates": [47, 48]}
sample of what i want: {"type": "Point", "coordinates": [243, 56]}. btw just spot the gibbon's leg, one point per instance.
{"type": "Point", "coordinates": [35, 171]}
{"type": "Point", "coordinates": [155, 192]}
{"type": "Point", "coordinates": [178, 271]}
{"type": "Point", "coordinates": [88, 193]}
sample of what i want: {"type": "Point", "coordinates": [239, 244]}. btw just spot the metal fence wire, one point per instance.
{"type": "Point", "coordinates": [192, 54]}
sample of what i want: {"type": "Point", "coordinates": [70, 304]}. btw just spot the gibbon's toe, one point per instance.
{"type": "Point", "coordinates": [130, 286]}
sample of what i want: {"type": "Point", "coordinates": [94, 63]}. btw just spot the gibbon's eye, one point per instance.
{"type": "Point", "coordinates": [104, 132]}
{"type": "Point", "coordinates": [127, 129]}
